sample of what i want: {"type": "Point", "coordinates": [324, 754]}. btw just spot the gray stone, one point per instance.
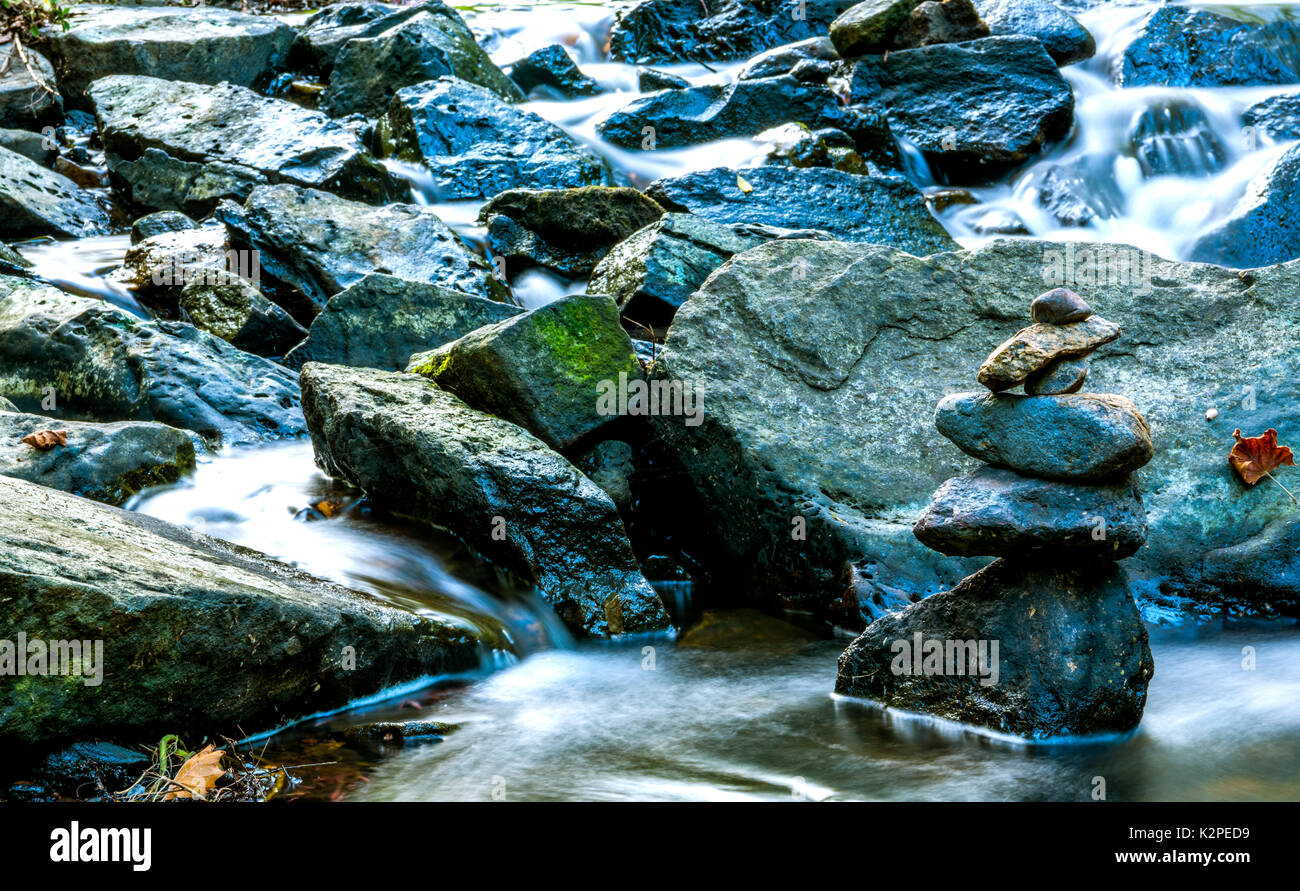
{"type": "Point", "coordinates": [37, 201]}
{"type": "Point", "coordinates": [609, 465]}
{"type": "Point", "coordinates": [784, 59]}
{"type": "Point", "coordinates": [1059, 306]}
{"type": "Point", "coordinates": [232, 308]}
{"type": "Point", "coordinates": [1065, 40]}
{"type": "Point", "coordinates": [159, 222]}
{"type": "Point", "coordinates": [552, 74]}
{"type": "Point", "coordinates": [1262, 572]}
{"type": "Point", "coordinates": [1062, 376]}
{"type": "Point", "coordinates": [27, 101]}
{"type": "Point", "coordinates": [36, 146]}
{"type": "Point", "coordinates": [869, 27]}
{"type": "Point", "coordinates": [940, 21]}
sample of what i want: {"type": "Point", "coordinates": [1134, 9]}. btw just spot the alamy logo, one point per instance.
{"type": "Point", "coordinates": [190, 266]}
{"type": "Point", "coordinates": [90, 845]}
{"type": "Point", "coordinates": [23, 657]}
{"type": "Point", "coordinates": [656, 397]}
{"type": "Point", "coordinates": [1086, 266]}
{"type": "Point", "coordinates": [953, 658]}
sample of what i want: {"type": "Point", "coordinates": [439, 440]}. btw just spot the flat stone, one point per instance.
{"type": "Point", "coordinates": [995, 512]}
{"type": "Point", "coordinates": [1059, 306]}
{"type": "Point", "coordinates": [35, 200]}
{"type": "Point", "coordinates": [1087, 437]}
{"type": "Point", "coordinates": [1062, 376]}
{"type": "Point", "coordinates": [1034, 348]}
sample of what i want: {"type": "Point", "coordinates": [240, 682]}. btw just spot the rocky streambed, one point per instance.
{"type": "Point", "coordinates": [483, 387]}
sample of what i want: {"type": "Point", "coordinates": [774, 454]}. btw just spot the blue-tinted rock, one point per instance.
{"type": "Point", "coordinates": [677, 31]}
{"type": "Point", "coordinates": [551, 72]}
{"type": "Point", "coordinates": [1263, 227]}
{"type": "Point", "coordinates": [1065, 40]}
{"type": "Point", "coordinates": [1277, 117]}
{"type": "Point", "coordinates": [1176, 138]}
{"type": "Point", "coordinates": [1179, 47]}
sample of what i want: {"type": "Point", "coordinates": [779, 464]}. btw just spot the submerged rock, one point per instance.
{"type": "Point", "coordinates": [381, 321]}
{"type": "Point", "coordinates": [1180, 47]}
{"type": "Point", "coordinates": [1065, 40]}
{"type": "Point", "coordinates": [673, 31]}
{"type": "Point", "coordinates": [422, 452]}
{"type": "Point", "coordinates": [37, 201]}
{"type": "Point", "coordinates": [477, 146]}
{"type": "Point", "coordinates": [1176, 138]}
{"type": "Point", "coordinates": [182, 146]}
{"type": "Point", "coordinates": [552, 73]}
{"type": "Point", "coordinates": [1262, 227]}
{"type": "Point", "coordinates": [1072, 655]}
{"type": "Point", "coordinates": [102, 462]}
{"type": "Point", "coordinates": [263, 643]}
{"type": "Point", "coordinates": [27, 101]}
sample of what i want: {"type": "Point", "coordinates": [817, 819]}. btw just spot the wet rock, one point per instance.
{"type": "Point", "coordinates": [202, 46]}
{"type": "Point", "coordinates": [158, 268]}
{"type": "Point", "coordinates": [398, 732]}
{"type": "Point", "coordinates": [1261, 228]}
{"type": "Point", "coordinates": [262, 641]}
{"type": "Point", "coordinates": [424, 44]}
{"type": "Point", "coordinates": [1072, 658]}
{"type": "Point", "coordinates": [232, 308]}
{"type": "Point", "coordinates": [553, 74]}
{"type": "Point", "coordinates": [102, 462]}
{"type": "Point", "coordinates": [1263, 571]}
{"type": "Point", "coordinates": [974, 109]}
{"type": "Point", "coordinates": [37, 201]}
{"type": "Point", "coordinates": [381, 321]}
{"type": "Point", "coordinates": [92, 770]}
{"type": "Point", "coordinates": [543, 370]}
{"type": "Point", "coordinates": [158, 222]}
{"type": "Point", "coordinates": [1085, 437]}
{"type": "Point", "coordinates": [106, 364]}
{"type": "Point", "coordinates": [784, 59]}
{"type": "Point", "coordinates": [744, 630]}
{"type": "Point", "coordinates": [869, 27]}
{"type": "Point", "coordinates": [1180, 47]}
{"type": "Point", "coordinates": [648, 80]}
{"type": "Point", "coordinates": [25, 101]}
{"type": "Point", "coordinates": [1065, 40]}
{"type": "Point", "coordinates": [609, 465]}
{"type": "Point", "coordinates": [36, 146]}
{"type": "Point", "coordinates": [564, 230]}
{"type": "Point", "coordinates": [672, 31]}
{"type": "Point", "coordinates": [1034, 348]}
{"type": "Point", "coordinates": [884, 210]}
{"type": "Point", "coordinates": [420, 450]}
{"type": "Point", "coordinates": [1176, 138]}
{"type": "Point", "coordinates": [999, 513]}
{"type": "Point", "coordinates": [1078, 192]}
{"type": "Point", "coordinates": [1059, 306]}
{"type": "Point", "coordinates": [1062, 376]}
{"type": "Point", "coordinates": [6, 405]}
{"type": "Point", "coordinates": [12, 262]}
{"type": "Point", "coordinates": [322, 36]}
{"type": "Point", "coordinates": [181, 146]}
{"type": "Point", "coordinates": [796, 146]}
{"type": "Point", "coordinates": [321, 244]}
{"type": "Point", "coordinates": [477, 146]}
{"type": "Point", "coordinates": [940, 21]}
{"type": "Point", "coordinates": [999, 221]}
{"type": "Point", "coordinates": [1277, 117]}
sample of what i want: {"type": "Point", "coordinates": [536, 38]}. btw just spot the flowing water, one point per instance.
{"type": "Point", "coordinates": [739, 706]}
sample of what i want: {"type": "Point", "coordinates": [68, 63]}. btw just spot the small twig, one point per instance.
{"type": "Point", "coordinates": [1283, 488]}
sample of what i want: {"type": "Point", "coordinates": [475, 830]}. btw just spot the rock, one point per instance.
{"type": "Point", "coordinates": [1277, 117]}
{"type": "Point", "coordinates": [1079, 191]}
{"type": "Point", "coordinates": [672, 31]}
{"type": "Point", "coordinates": [1176, 138]}
{"type": "Point", "coordinates": [1034, 348]}
{"type": "Point", "coordinates": [1065, 40]}
{"type": "Point", "coordinates": [25, 101]}
{"type": "Point", "coordinates": [1263, 571]}
{"type": "Point", "coordinates": [159, 222]}
{"type": "Point", "coordinates": [227, 141]}
{"type": "Point", "coordinates": [884, 210]}
{"type": "Point", "coordinates": [232, 308]}
{"type": "Point", "coordinates": [477, 146]}
{"type": "Point", "coordinates": [940, 21]}
{"type": "Point", "coordinates": [565, 230]}
{"type": "Point", "coordinates": [744, 630]}
{"type": "Point", "coordinates": [381, 321]}
{"type": "Point", "coordinates": [553, 74]}
{"type": "Point", "coordinates": [1180, 47]}
{"type": "Point", "coordinates": [262, 641]}
{"type": "Point", "coordinates": [37, 201]}
{"type": "Point", "coordinates": [1059, 306]}
{"type": "Point", "coordinates": [201, 46]}
{"type": "Point", "coordinates": [158, 268]}
{"type": "Point", "coordinates": [1080, 437]}
{"type": "Point", "coordinates": [1261, 228]}
{"type": "Point", "coordinates": [421, 451]}
{"type": "Point", "coordinates": [609, 465]}
{"type": "Point", "coordinates": [101, 362]}
{"type": "Point", "coordinates": [869, 27]}
{"type": "Point", "coordinates": [398, 732]}
{"type": "Point", "coordinates": [648, 80]}
{"type": "Point", "coordinates": [92, 770]}
{"type": "Point", "coordinates": [652, 273]}
{"type": "Point", "coordinates": [784, 59]}
{"type": "Point", "coordinates": [543, 370]}
{"type": "Point", "coordinates": [102, 462]}
{"type": "Point", "coordinates": [423, 44]}
{"type": "Point", "coordinates": [36, 146]}
{"type": "Point", "coordinates": [6, 405]}
{"type": "Point", "coordinates": [796, 146]}
{"type": "Point", "coordinates": [999, 513]}
{"type": "Point", "coordinates": [321, 244]}
{"type": "Point", "coordinates": [1072, 656]}
{"type": "Point", "coordinates": [1062, 376]}
{"type": "Point", "coordinates": [321, 37]}
{"type": "Point", "coordinates": [973, 109]}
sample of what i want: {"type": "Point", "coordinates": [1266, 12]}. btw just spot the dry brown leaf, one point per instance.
{"type": "Point", "coordinates": [1254, 457]}
{"type": "Point", "coordinates": [199, 774]}
{"type": "Point", "coordinates": [46, 439]}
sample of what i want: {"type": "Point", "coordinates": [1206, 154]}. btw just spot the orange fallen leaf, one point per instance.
{"type": "Point", "coordinates": [1257, 456]}
{"type": "Point", "coordinates": [199, 774]}
{"type": "Point", "coordinates": [46, 439]}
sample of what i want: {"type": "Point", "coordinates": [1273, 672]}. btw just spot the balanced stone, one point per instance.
{"type": "Point", "coordinates": [1062, 376]}
{"type": "Point", "coordinates": [997, 512]}
{"type": "Point", "coordinates": [1084, 437]}
{"type": "Point", "coordinates": [1059, 306]}
{"type": "Point", "coordinates": [1034, 348]}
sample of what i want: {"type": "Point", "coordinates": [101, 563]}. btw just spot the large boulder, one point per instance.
{"type": "Point", "coordinates": [422, 43]}
{"type": "Point", "coordinates": [1262, 569]}
{"type": "Point", "coordinates": [809, 351]}
{"type": "Point", "coordinates": [320, 243]}
{"type": "Point", "coordinates": [477, 145]}
{"type": "Point", "coordinates": [1181, 47]}
{"type": "Point", "coordinates": [420, 451]}
{"type": "Point", "coordinates": [322, 36]}
{"type": "Point", "coordinates": [97, 361]}
{"type": "Point", "coordinates": [1065, 40]}
{"type": "Point", "coordinates": [880, 209]}
{"type": "Point", "coordinates": [262, 643]}
{"type": "Point", "coordinates": [1261, 228]}
{"type": "Point", "coordinates": [205, 45]}
{"type": "Point", "coordinates": [973, 109]}
{"type": "Point", "coordinates": [673, 31]}
{"type": "Point", "coordinates": [28, 98]}
{"type": "Point", "coordinates": [1071, 656]}
{"type": "Point", "coordinates": [381, 321]}
{"type": "Point", "coordinates": [185, 146]}
{"type": "Point", "coordinates": [35, 200]}
{"type": "Point", "coordinates": [103, 462]}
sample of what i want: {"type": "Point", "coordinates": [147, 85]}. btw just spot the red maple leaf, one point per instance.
{"type": "Point", "coordinates": [1254, 457]}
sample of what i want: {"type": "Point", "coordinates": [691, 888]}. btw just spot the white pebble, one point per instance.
{"type": "Point", "coordinates": [1211, 414]}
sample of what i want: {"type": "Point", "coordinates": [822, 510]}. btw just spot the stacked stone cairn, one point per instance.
{"type": "Point", "coordinates": [1045, 641]}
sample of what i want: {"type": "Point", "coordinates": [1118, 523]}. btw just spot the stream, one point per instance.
{"type": "Point", "coordinates": [739, 707]}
